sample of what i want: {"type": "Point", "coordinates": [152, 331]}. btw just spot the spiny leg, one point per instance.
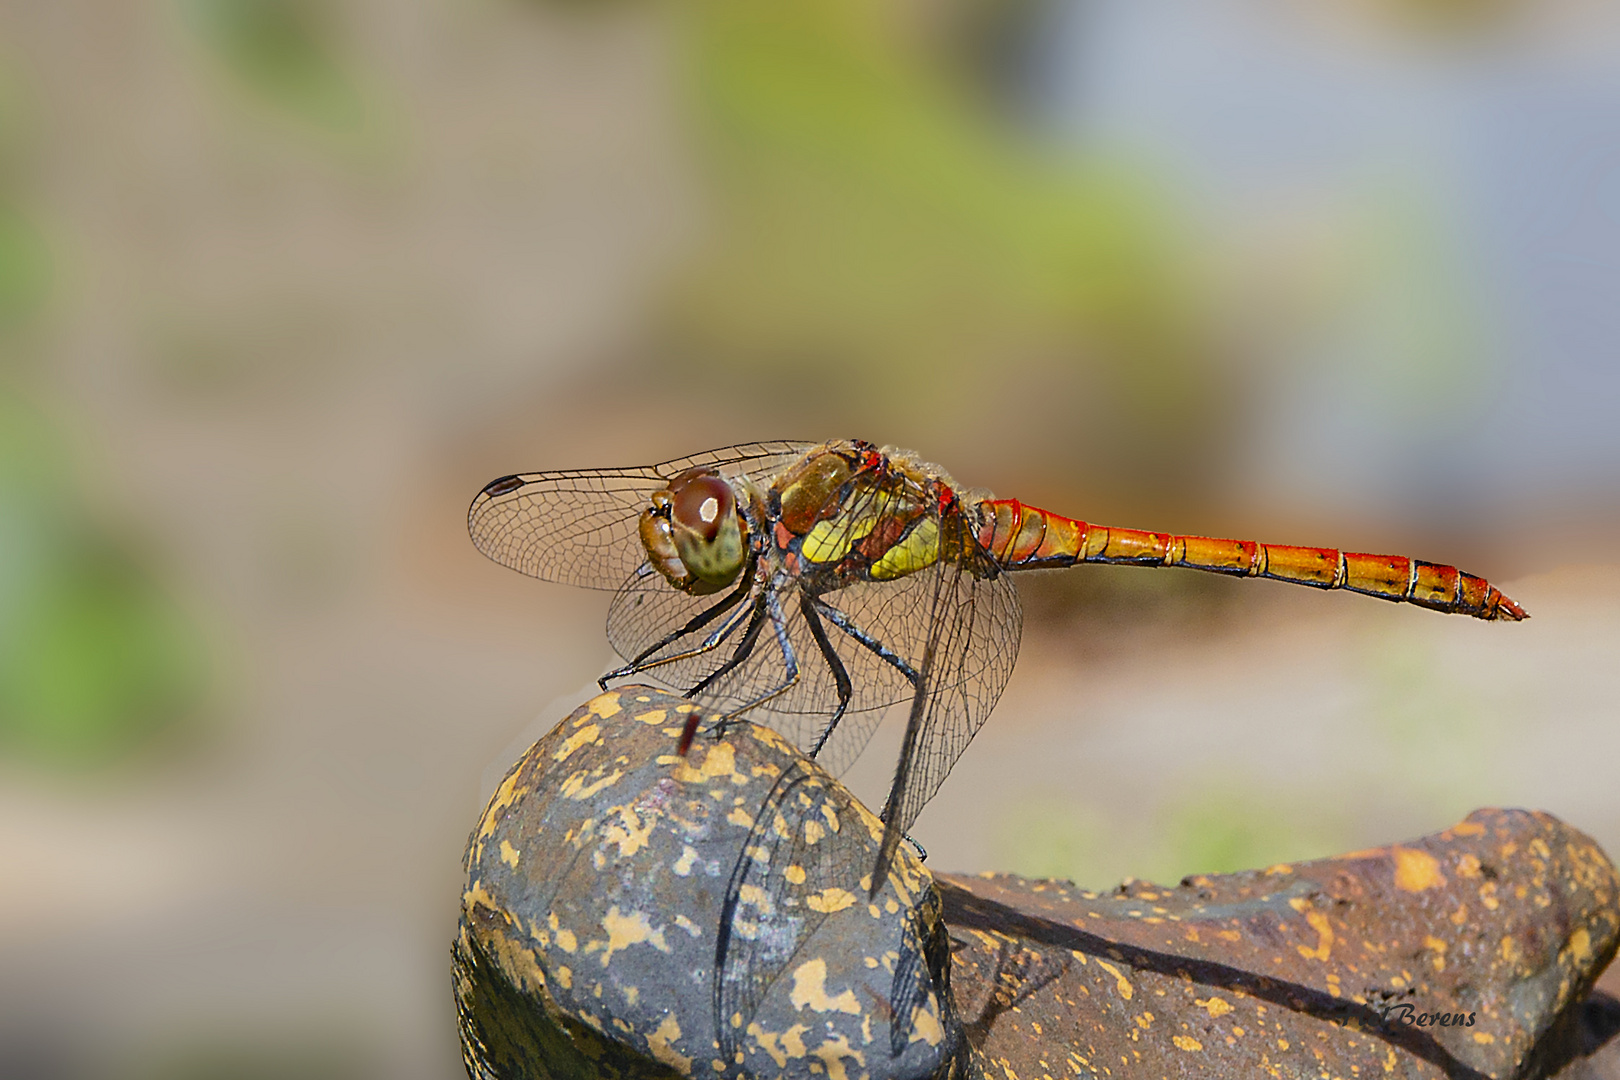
{"type": "Point", "coordinates": [882, 651]}
{"type": "Point", "coordinates": [847, 625]}
{"type": "Point", "coordinates": [790, 661]}
{"type": "Point", "coordinates": [745, 648]}
{"type": "Point", "coordinates": [721, 632]}
{"type": "Point", "coordinates": [807, 605]}
{"type": "Point", "coordinates": [697, 622]}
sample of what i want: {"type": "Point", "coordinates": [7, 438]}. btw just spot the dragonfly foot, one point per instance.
{"type": "Point", "coordinates": [616, 673]}
{"type": "Point", "coordinates": [922, 852]}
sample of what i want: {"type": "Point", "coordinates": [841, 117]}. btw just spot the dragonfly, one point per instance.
{"type": "Point", "coordinates": [813, 585]}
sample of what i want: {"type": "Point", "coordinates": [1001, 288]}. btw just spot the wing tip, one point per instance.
{"type": "Point", "coordinates": [503, 485]}
{"type": "Point", "coordinates": [491, 491]}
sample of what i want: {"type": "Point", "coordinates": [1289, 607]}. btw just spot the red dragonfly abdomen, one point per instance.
{"type": "Point", "coordinates": [1027, 537]}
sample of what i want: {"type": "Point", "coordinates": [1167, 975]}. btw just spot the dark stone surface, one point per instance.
{"type": "Point", "coordinates": [605, 873]}
{"type": "Point", "coordinates": [709, 913]}
{"type": "Point", "coordinates": [1595, 1034]}
{"type": "Point", "coordinates": [1504, 920]}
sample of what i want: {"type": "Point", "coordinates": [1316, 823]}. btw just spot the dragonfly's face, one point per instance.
{"type": "Point", "coordinates": [694, 532]}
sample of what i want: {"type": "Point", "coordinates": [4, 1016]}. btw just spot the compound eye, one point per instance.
{"type": "Point", "coordinates": [703, 503]}
{"type": "Point", "coordinates": [707, 529]}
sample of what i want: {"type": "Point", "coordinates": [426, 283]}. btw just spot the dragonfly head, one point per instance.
{"type": "Point", "coordinates": [694, 532]}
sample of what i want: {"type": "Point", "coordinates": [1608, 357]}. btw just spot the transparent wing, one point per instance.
{"type": "Point", "coordinates": [757, 461]}
{"type": "Point", "coordinates": [767, 916]}
{"type": "Point", "coordinates": [973, 642]}
{"type": "Point", "coordinates": [578, 526]}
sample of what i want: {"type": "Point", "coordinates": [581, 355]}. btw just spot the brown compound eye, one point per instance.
{"type": "Point", "coordinates": [702, 503]}
{"type": "Point", "coordinates": [694, 534]}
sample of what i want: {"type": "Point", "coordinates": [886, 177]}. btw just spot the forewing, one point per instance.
{"type": "Point", "coordinates": [757, 461]}
{"type": "Point", "coordinates": [578, 526]}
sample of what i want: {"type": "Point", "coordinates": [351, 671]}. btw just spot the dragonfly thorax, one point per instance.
{"type": "Point", "coordinates": [694, 532]}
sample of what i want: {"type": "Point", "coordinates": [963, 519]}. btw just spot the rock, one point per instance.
{"type": "Point", "coordinates": [633, 912]}
{"type": "Point", "coordinates": [630, 911]}
{"type": "Point", "coordinates": [1462, 954]}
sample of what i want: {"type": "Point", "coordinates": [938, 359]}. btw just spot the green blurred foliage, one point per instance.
{"type": "Point", "coordinates": [1049, 837]}
{"type": "Point", "coordinates": [1210, 829]}
{"type": "Point", "coordinates": [1402, 302]}
{"type": "Point", "coordinates": [95, 657]}
{"type": "Point", "coordinates": [285, 52]}
{"type": "Point", "coordinates": [1225, 828]}
{"type": "Point", "coordinates": [1442, 736]}
{"type": "Point", "coordinates": [886, 235]}
{"type": "Point", "coordinates": [24, 268]}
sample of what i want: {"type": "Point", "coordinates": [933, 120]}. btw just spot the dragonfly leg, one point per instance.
{"type": "Point", "coordinates": [745, 647]}
{"type": "Point", "coordinates": [847, 625]}
{"type": "Point", "coordinates": [807, 605]}
{"type": "Point", "coordinates": [922, 852]}
{"type": "Point", "coordinates": [773, 608]}
{"type": "Point", "coordinates": [697, 622]}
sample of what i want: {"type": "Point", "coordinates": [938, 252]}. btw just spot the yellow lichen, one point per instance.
{"type": "Point", "coordinates": [683, 865]}
{"type": "Point", "coordinates": [832, 1053]}
{"type": "Point", "coordinates": [718, 760]}
{"type": "Point", "coordinates": [829, 900]}
{"type": "Point", "coordinates": [661, 1043]}
{"type": "Point", "coordinates": [1416, 870]}
{"type": "Point", "coordinates": [584, 736]}
{"type": "Point", "coordinates": [575, 787]}
{"type": "Point", "coordinates": [629, 833]}
{"type": "Point", "coordinates": [810, 990]}
{"type": "Point", "coordinates": [1120, 982]}
{"type": "Point", "coordinates": [1324, 937]}
{"type": "Point", "coordinates": [627, 929]}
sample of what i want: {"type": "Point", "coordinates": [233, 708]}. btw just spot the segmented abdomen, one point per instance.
{"type": "Point", "coordinates": [1021, 537]}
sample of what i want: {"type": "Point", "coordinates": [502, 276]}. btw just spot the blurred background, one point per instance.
{"type": "Point", "coordinates": [283, 283]}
